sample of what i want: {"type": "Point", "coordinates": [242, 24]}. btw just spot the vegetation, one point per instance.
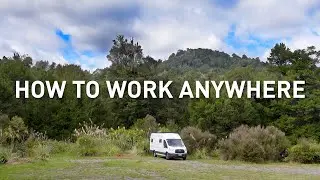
{"type": "Point", "coordinates": [253, 129]}
{"type": "Point", "coordinates": [197, 141]}
{"type": "Point", "coordinates": [306, 151]}
{"type": "Point", "coordinates": [5, 154]}
{"type": "Point", "coordinates": [256, 144]}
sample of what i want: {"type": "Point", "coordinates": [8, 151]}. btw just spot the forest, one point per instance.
{"type": "Point", "coordinates": [250, 127]}
{"type": "Point", "coordinates": [59, 117]}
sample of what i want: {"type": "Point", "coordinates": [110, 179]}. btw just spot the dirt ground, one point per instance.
{"type": "Point", "coordinates": [155, 168]}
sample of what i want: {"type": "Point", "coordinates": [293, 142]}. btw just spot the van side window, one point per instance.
{"type": "Point", "coordinates": [165, 144]}
{"type": "Point", "coordinates": [160, 140]}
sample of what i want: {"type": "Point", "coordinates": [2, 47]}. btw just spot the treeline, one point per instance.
{"type": "Point", "coordinates": [59, 117]}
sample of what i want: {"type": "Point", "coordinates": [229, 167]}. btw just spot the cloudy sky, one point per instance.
{"type": "Point", "coordinates": [81, 31]}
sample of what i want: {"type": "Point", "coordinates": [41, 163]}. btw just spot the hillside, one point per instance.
{"type": "Point", "coordinates": [208, 59]}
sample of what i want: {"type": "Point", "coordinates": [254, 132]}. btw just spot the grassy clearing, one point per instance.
{"type": "Point", "coordinates": [127, 167]}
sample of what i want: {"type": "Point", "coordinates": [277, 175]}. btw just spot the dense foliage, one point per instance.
{"type": "Point", "coordinates": [256, 144]}
{"type": "Point", "coordinates": [59, 117]}
{"type": "Point", "coordinates": [306, 151]}
{"type": "Point", "coordinates": [194, 139]}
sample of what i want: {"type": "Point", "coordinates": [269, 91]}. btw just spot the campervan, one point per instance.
{"type": "Point", "coordinates": [168, 145]}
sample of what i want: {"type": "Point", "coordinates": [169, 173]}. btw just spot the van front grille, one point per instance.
{"type": "Point", "coordinates": [179, 151]}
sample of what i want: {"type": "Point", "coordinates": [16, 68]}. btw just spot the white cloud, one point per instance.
{"type": "Point", "coordinates": [272, 18]}
{"type": "Point", "coordinates": [91, 63]}
{"type": "Point", "coordinates": [166, 27]}
{"type": "Point", "coordinates": [161, 27]}
{"type": "Point", "coordinates": [304, 40]}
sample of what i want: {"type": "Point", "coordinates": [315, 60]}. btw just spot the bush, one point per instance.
{"type": "Point", "coordinates": [170, 126]}
{"type": "Point", "coordinates": [147, 124]}
{"type": "Point", "coordinates": [201, 154]}
{"type": "Point", "coordinates": [126, 139]}
{"type": "Point", "coordinates": [142, 147]}
{"type": "Point", "coordinates": [34, 139]}
{"type": "Point", "coordinates": [93, 146]}
{"type": "Point", "coordinates": [305, 151]}
{"type": "Point", "coordinates": [42, 152]}
{"type": "Point", "coordinates": [20, 149]}
{"type": "Point", "coordinates": [88, 145]}
{"type": "Point", "coordinates": [15, 131]}
{"type": "Point", "coordinates": [5, 154]}
{"type": "Point", "coordinates": [60, 147]}
{"type": "Point", "coordinates": [256, 144]}
{"type": "Point", "coordinates": [164, 129]}
{"type": "Point", "coordinates": [195, 139]}
{"type": "Point", "coordinates": [90, 129]}
{"type": "Point", "coordinates": [109, 149]}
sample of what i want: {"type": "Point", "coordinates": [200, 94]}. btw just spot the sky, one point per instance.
{"type": "Point", "coordinates": [81, 31]}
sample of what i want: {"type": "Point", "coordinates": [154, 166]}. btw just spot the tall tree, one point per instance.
{"type": "Point", "coordinates": [126, 54]}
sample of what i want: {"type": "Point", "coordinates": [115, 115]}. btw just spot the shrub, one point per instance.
{"type": "Point", "coordinates": [15, 131]}
{"type": "Point", "coordinates": [124, 138]}
{"type": "Point", "coordinates": [88, 145]}
{"type": "Point", "coordinates": [20, 149]}
{"type": "Point", "coordinates": [142, 147]}
{"type": "Point", "coordinates": [215, 154]}
{"type": "Point", "coordinates": [305, 151]}
{"type": "Point", "coordinates": [34, 139]}
{"type": "Point", "coordinates": [59, 147]}
{"type": "Point", "coordinates": [170, 126]}
{"type": "Point", "coordinates": [147, 124]}
{"type": "Point", "coordinates": [195, 139]}
{"type": "Point", "coordinates": [164, 129]}
{"type": "Point", "coordinates": [256, 144]}
{"type": "Point", "coordinates": [93, 146]}
{"type": "Point", "coordinates": [201, 153]}
{"type": "Point", "coordinates": [5, 154]}
{"type": "Point", "coordinates": [109, 149]}
{"type": "Point", "coordinates": [42, 152]}
{"type": "Point", "coordinates": [90, 129]}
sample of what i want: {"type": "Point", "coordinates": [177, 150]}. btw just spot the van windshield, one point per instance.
{"type": "Point", "coordinates": [175, 142]}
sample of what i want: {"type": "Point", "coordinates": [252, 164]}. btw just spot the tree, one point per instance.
{"type": "Point", "coordinates": [126, 54]}
{"type": "Point", "coordinates": [16, 130]}
{"type": "Point", "coordinates": [147, 124]}
{"type": "Point", "coordinates": [297, 117]}
{"type": "Point", "coordinates": [221, 116]}
{"type": "Point", "coordinates": [280, 55]}
{"type": "Point", "coordinates": [59, 117]}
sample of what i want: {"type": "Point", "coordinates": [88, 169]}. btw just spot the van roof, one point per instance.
{"type": "Point", "coordinates": [167, 135]}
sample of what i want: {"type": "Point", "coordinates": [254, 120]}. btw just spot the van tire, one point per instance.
{"type": "Point", "coordinates": [167, 156]}
{"type": "Point", "coordinates": [154, 154]}
{"type": "Point", "coordinates": [184, 158]}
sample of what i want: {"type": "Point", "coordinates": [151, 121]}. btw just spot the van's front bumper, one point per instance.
{"type": "Point", "coordinates": [177, 155]}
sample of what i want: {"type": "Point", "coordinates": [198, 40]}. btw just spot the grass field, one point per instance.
{"type": "Point", "coordinates": [134, 167]}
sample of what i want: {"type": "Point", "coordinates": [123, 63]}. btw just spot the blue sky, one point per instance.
{"type": "Point", "coordinates": [81, 32]}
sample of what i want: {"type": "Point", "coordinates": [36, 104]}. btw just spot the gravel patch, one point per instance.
{"type": "Point", "coordinates": [191, 165]}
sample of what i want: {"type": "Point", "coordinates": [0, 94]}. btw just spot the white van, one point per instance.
{"type": "Point", "coordinates": [168, 145]}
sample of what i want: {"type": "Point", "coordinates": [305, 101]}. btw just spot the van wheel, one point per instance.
{"type": "Point", "coordinates": [167, 156]}
{"type": "Point", "coordinates": [154, 154]}
{"type": "Point", "coordinates": [184, 158]}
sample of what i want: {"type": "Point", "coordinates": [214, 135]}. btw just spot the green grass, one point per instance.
{"type": "Point", "coordinates": [64, 167]}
